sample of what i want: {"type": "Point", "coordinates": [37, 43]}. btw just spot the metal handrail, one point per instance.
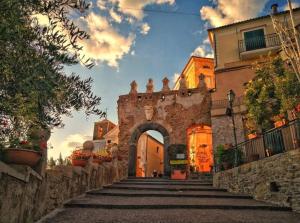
{"type": "Point", "coordinates": [272, 142]}
{"type": "Point", "coordinates": [260, 42]}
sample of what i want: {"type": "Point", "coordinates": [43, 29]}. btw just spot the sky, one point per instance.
{"type": "Point", "coordinates": [142, 39]}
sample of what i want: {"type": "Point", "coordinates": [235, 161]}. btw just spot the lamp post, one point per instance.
{"type": "Point", "coordinates": [230, 112]}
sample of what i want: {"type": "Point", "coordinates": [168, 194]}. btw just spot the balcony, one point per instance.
{"type": "Point", "coordinates": [261, 45]}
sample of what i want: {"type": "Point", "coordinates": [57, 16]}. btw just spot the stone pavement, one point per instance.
{"type": "Point", "coordinates": [165, 201]}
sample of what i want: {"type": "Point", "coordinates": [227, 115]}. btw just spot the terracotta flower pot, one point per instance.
{"type": "Point", "coordinates": [22, 157]}
{"type": "Point", "coordinates": [79, 162]}
{"type": "Point", "coordinates": [178, 175]}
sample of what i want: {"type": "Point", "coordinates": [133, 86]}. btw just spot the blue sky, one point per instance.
{"type": "Point", "coordinates": [128, 44]}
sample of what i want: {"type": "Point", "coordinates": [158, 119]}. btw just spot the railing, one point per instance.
{"type": "Point", "coordinates": [274, 141]}
{"type": "Point", "coordinates": [259, 42]}
{"type": "Point", "coordinates": [224, 103]}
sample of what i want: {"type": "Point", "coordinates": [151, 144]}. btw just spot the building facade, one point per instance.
{"type": "Point", "coordinates": [236, 48]}
{"type": "Point", "coordinates": [149, 156]}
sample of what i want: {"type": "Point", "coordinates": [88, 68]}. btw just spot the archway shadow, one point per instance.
{"type": "Point", "coordinates": [133, 146]}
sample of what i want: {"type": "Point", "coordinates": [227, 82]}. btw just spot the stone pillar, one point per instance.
{"type": "Point", "coordinates": [132, 160]}
{"type": "Point", "coordinates": [133, 89]}
{"type": "Point", "coordinates": [202, 84]}
{"type": "Point", "coordinates": [182, 83]}
{"type": "Point", "coordinates": [40, 137]}
{"type": "Point", "coordinates": [165, 85]}
{"type": "Point", "coordinates": [150, 86]}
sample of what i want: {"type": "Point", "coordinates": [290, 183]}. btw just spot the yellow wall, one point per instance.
{"type": "Point", "coordinates": [225, 40]}
{"type": "Point", "coordinates": [199, 145]}
{"type": "Point", "coordinates": [195, 67]}
{"type": "Point", "coordinates": [232, 68]}
{"type": "Point", "coordinates": [149, 158]}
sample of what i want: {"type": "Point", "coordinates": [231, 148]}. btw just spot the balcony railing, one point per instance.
{"type": "Point", "coordinates": [272, 142]}
{"type": "Point", "coordinates": [259, 42]}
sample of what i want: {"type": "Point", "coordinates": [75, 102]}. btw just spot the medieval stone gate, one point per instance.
{"type": "Point", "coordinates": [170, 112]}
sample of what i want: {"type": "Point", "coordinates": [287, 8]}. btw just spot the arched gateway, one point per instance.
{"type": "Point", "coordinates": [170, 112]}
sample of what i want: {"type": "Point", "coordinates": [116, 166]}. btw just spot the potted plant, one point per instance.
{"type": "Point", "coordinates": [279, 121]}
{"type": "Point", "coordinates": [22, 153]}
{"type": "Point", "coordinates": [80, 158]}
{"type": "Point", "coordinates": [178, 172]}
{"type": "Point", "coordinates": [25, 146]}
{"type": "Point", "coordinates": [98, 159]}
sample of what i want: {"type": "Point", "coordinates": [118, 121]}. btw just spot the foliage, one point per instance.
{"type": "Point", "coordinates": [228, 156]}
{"type": "Point", "coordinates": [272, 93]}
{"type": "Point", "coordinates": [60, 160]}
{"type": "Point", "coordinates": [51, 162]}
{"type": "Point", "coordinates": [34, 90]}
{"type": "Point", "coordinates": [220, 151]}
{"type": "Point", "coordinates": [261, 99]}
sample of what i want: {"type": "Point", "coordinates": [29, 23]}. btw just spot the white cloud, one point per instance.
{"type": "Point", "coordinates": [229, 11]}
{"type": "Point", "coordinates": [134, 7]}
{"type": "Point", "coordinates": [68, 145]}
{"type": "Point", "coordinates": [115, 16]}
{"type": "Point", "coordinates": [145, 28]}
{"type": "Point", "coordinates": [105, 43]}
{"type": "Point", "coordinates": [206, 41]}
{"type": "Point", "coordinates": [201, 51]}
{"type": "Point", "coordinates": [175, 77]}
{"type": "Point", "coordinates": [294, 5]}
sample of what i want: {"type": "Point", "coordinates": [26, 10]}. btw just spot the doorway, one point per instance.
{"type": "Point", "coordinates": [150, 155]}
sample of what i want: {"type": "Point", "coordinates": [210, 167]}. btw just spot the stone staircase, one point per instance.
{"type": "Point", "coordinates": [161, 200]}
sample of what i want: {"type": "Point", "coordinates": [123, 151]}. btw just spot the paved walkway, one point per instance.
{"type": "Point", "coordinates": [165, 201]}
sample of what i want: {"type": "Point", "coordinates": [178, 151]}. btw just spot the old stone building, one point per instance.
{"type": "Point", "coordinates": [170, 112]}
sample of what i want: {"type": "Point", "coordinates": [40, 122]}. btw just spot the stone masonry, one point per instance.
{"type": "Point", "coordinates": [25, 196]}
{"type": "Point", "coordinates": [275, 179]}
{"type": "Point", "coordinates": [170, 112]}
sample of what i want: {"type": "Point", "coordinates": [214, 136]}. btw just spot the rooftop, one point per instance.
{"type": "Point", "coordinates": [250, 20]}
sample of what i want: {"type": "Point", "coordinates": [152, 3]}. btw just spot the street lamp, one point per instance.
{"type": "Point", "coordinates": [229, 112]}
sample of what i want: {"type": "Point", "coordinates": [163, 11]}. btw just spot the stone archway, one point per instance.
{"type": "Point", "coordinates": [133, 146]}
{"type": "Point", "coordinates": [171, 112]}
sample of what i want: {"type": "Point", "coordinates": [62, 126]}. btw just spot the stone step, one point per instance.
{"type": "Point", "coordinates": [94, 215]}
{"type": "Point", "coordinates": [153, 193]}
{"type": "Point", "coordinates": [114, 202]}
{"type": "Point", "coordinates": [165, 183]}
{"type": "Point", "coordinates": [164, 187]}
{"type": "Point", "coordinates": [152, 179]}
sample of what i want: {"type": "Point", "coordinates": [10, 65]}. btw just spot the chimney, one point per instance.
{"type": "Point", "coordinates": [274, 9]}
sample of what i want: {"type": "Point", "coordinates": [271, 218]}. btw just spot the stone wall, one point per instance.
{"type": "Point", "coordinates": [171, 112]}
{"type": "Point", "coordinates": [26, 197]}
{"type": "Point", "coordinates": [275, 179]}
{"type": "Point", "coordinates": [223, 129]}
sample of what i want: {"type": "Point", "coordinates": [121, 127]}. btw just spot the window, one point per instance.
{"type": "Point", "coordinates": [254, 39]}
{"type": "Point", "coordinates": [157, 149]}
{"type": "Point", "coordinates": [206, 67]}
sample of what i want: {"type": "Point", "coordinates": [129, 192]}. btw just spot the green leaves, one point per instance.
{"type": "Point", "coordinates": [34, 90]}
{"type": "Point", "coordinates": [274, 91]}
